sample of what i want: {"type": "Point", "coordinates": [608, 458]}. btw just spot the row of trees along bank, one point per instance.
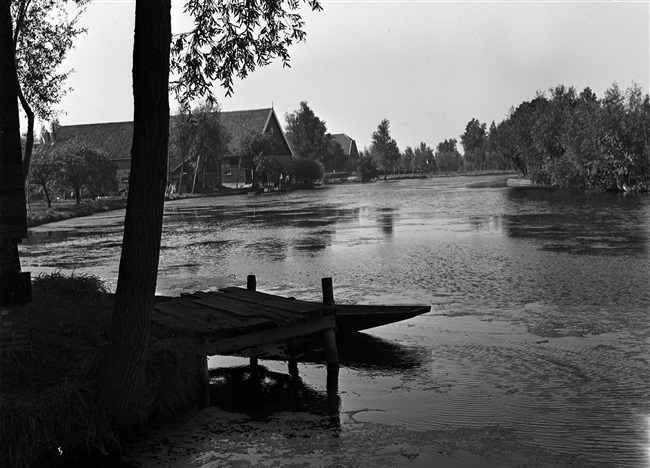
{"type": "Point", "coordinates": [560, 139]}
{"type": "Point", "coordinates": [566, 139]}
{"type": "Point", "coordinates": [384, 156]}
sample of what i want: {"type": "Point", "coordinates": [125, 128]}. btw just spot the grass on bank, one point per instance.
{"type": "Point", "coordinates": [38, 212]}
{"type": "Point", "coordinates": [48, 405]}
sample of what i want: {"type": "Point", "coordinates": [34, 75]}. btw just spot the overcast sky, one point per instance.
{"type": "Point", "coordinates": [429, 67]}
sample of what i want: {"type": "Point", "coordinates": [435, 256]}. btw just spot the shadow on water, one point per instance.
{"type": "Point", "coordinates": [362, 351]}
{"type": "Point", "coordinates": [356, 350]}
{"type": "Point", "coordinates": [260, 393]}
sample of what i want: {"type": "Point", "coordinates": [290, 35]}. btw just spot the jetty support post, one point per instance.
{"type": "Point", "coordinates": [293, 360]}
{"type": "Point", "coordinates": [329, 336]}
{"type": "Point", "coordinates": [251, 285]}
{"type": "Point", "coordinates": [204, 382]}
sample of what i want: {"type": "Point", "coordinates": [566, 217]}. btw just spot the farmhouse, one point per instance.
{"type": "Point", "coordinates": [349, 149]}
{"type": "Point", "coordinates": [234, 167]}
{"type": "Point", "coordinates": [239, 126]}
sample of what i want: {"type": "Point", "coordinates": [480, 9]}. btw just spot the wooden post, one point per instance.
{"type": "Point", "coordinates": [328, 292]}
{"type": "Point", "coordinates": [204, 382]}
{"type": "Point", "coordinates": [293, 362]}
{"type": "Point", "coordinates": [251, 283]}
{"type": "Point", "coordinates": [329, 336]}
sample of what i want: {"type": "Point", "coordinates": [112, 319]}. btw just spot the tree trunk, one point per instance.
{"type": "Point", "coordinates": [238, 172]}
{"type": "Point", "coordinates": [122, 373]}
{"type": "Point", "coordinates": [180, 183]}
{"type": "Point", "coordinates": [29, 138]}
{"type": "Point", "coordinates": [13, 212]}
{"type": "Point", "coordinates": [48, 199]}
{"type": "Point", "coordinates": [196, 170]}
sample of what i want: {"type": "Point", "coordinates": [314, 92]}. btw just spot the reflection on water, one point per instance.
{"type": "Point", "coordinates": [540, 297]}
{"type": "Point", "coordinates": [260, 392]}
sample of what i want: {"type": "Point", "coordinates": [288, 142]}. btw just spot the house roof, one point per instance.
{"type": "Point", "coordinates": [115, 138]}
{"type": "Point", "coordinates": [239, 124]}
{"type": "Point", "coordinates": [344, 141]}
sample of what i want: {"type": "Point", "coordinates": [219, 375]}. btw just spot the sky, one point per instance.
{"type": "Point", "coordinates": [429, 67]}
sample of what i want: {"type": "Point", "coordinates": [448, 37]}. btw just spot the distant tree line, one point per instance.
{"type": "Point", "coordinates": [560, 138]}
{"type": "Point", "coordinates": [385, 158]}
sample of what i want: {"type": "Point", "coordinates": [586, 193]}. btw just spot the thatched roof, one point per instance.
{"type": "Point", "coordinates": [115, 138]}
{"type": "Point", "coordinates": [239, 124]}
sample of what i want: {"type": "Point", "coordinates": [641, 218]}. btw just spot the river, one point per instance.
{"type": "Point", "coordinates": [540, 298]}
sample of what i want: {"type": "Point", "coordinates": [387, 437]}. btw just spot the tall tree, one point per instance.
{"type": "Point", "coordinates": [474, 136]}
{"type": "Point", "coordinates": [182, 130]}
{"type": "Point", "coordinates": [367, 167]}
{"type": "Point", "coordinates": [256, 148]}
{"type": "Point", "coordinates": [448, 159]}
{"type": "Point", "coordinates": [408, 159]}
{"type": "Point", "coordinates": [44, 34]}
{"type": "Point", "coordinates": [123, 368]}
{"type": "Point", "coordinates": [473, 141]}
{"type": "Point", "coordinates": [424, 158]}
{"type": "Point", "coordinates": [85, 168]}
{"type": "Point", "coordinates": [13, 213]}
{"type": "Point", "coordinates": [230, 38]}
{"type": "Point", "coordinates": [207, 144]}
{"type": "Point", "coordinates": [384, 147]}
{"type": "Point", "coordinates": [307, 134]}
{"type": "Point", "coordinates": [43, 175]}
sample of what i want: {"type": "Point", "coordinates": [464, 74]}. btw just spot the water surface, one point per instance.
{"type": "Point", "coordinates": [540, 298]}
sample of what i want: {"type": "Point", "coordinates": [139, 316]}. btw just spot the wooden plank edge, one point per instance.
{"type": "Point", "coordinates": [229, 345]}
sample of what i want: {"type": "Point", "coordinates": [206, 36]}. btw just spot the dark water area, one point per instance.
{"type": "Point", "coordinates": [540, 298]}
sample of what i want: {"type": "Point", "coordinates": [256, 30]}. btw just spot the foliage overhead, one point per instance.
{"type": "Point", "coordinates": [232, 38]}
{"type": "Point", "coordinates": [45, 33]}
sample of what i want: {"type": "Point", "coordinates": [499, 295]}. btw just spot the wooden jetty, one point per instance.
{"type": "Point", "coordinates": [232, 320]}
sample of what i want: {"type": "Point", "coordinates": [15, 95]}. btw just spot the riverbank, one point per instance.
{"type": "Point", "coordinates": [54, 382]}
{"type": "Point", "coordinates": [38, 213]}
{"type": "Point", "coordinates": [50, 412]}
